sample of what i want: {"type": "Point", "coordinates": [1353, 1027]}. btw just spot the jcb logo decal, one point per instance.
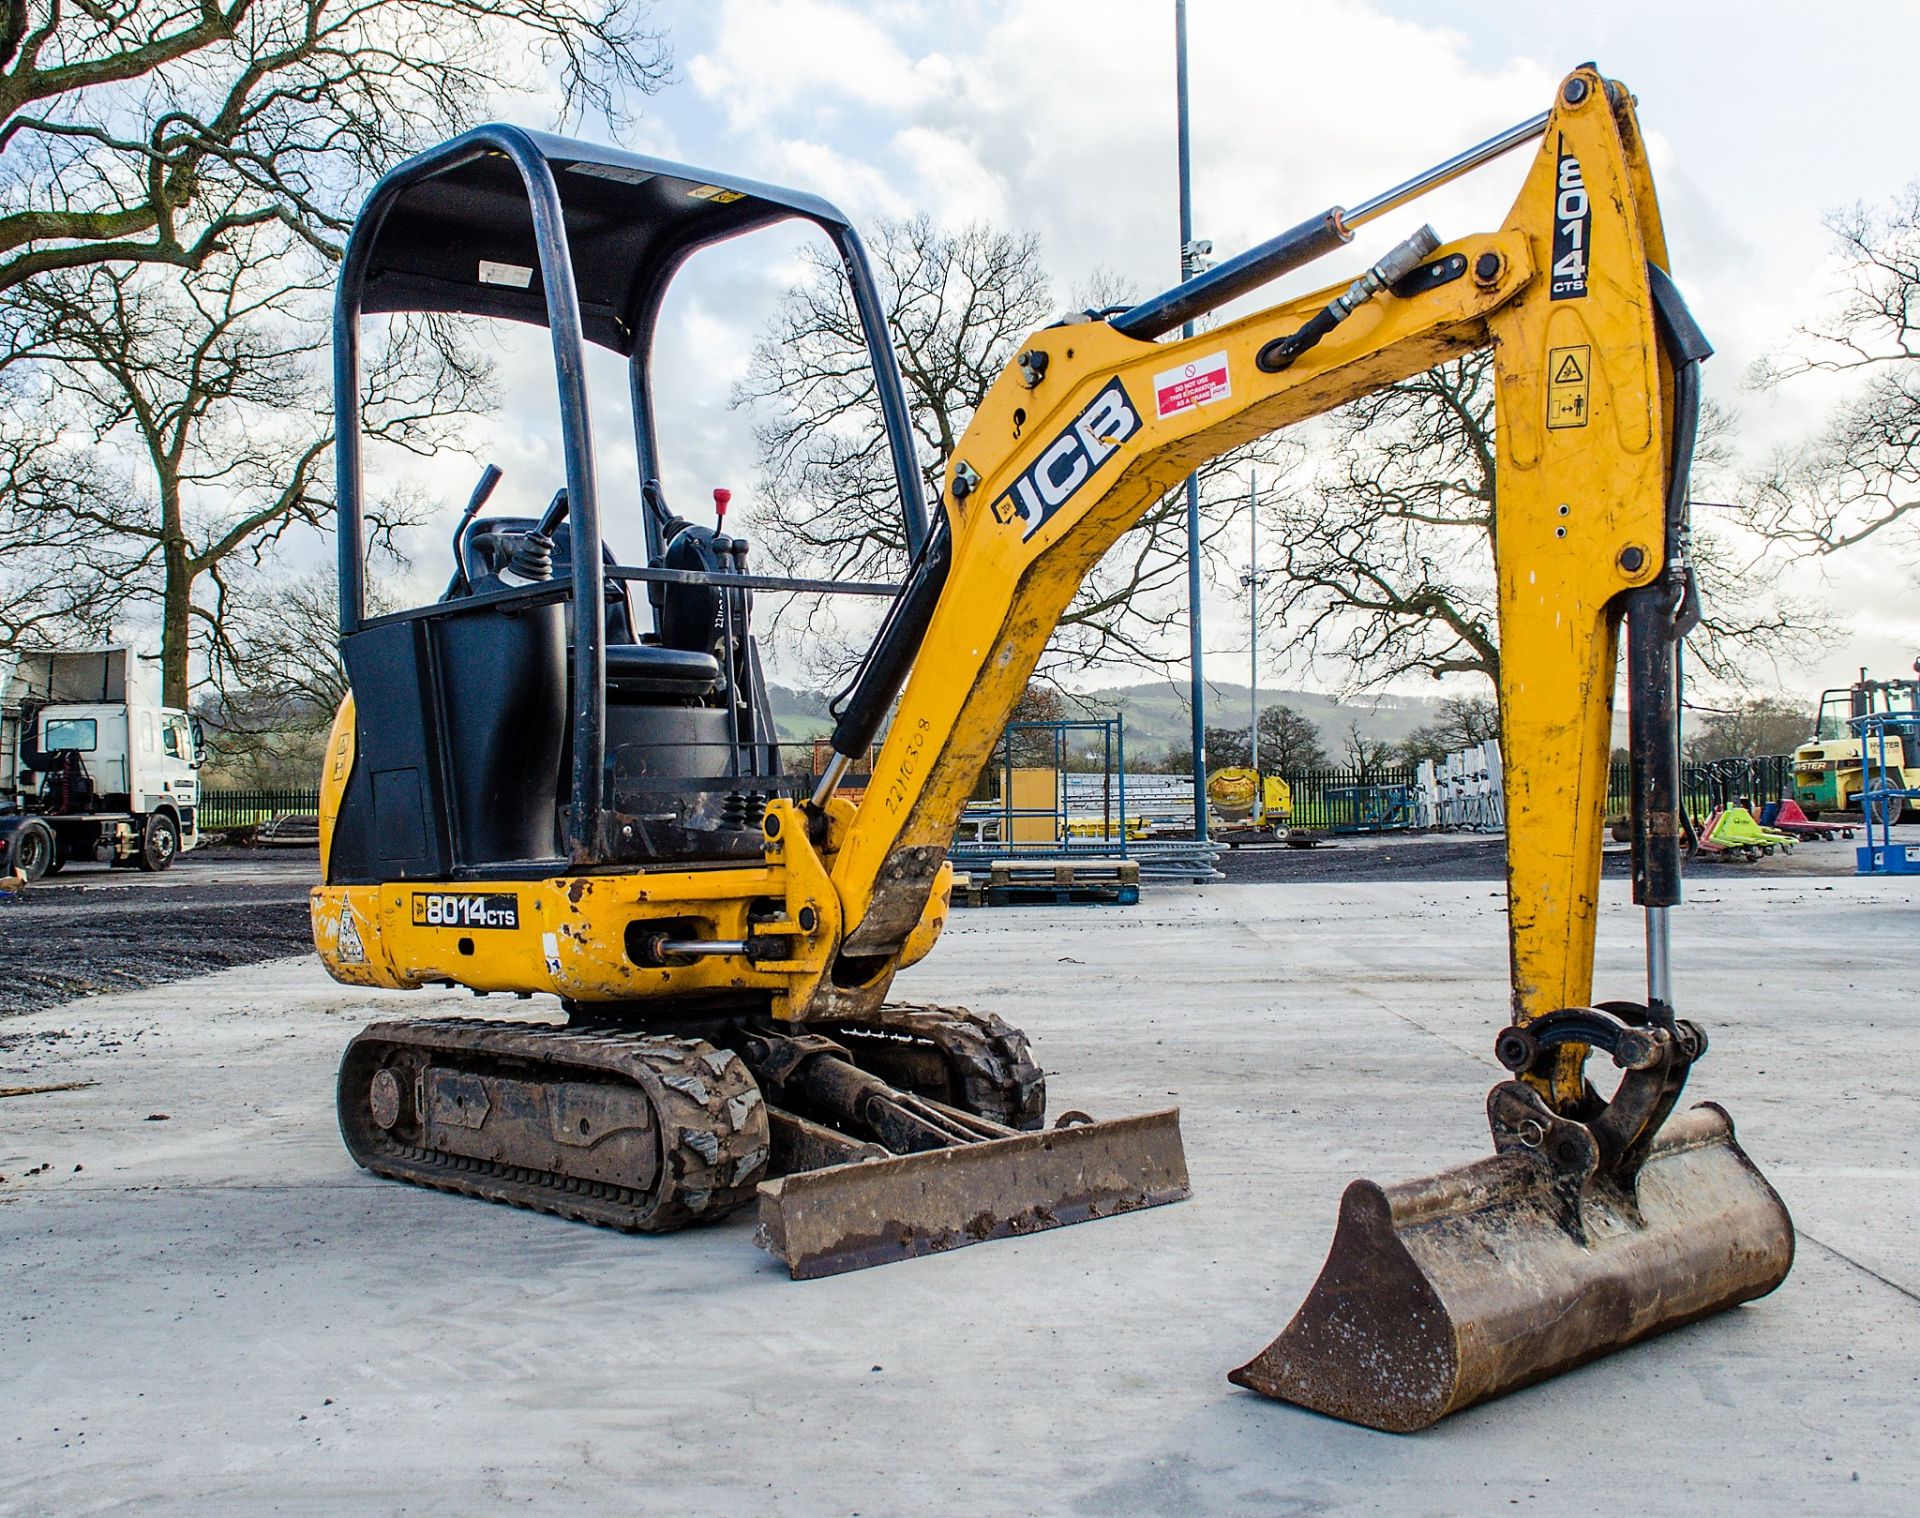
{"type": "Point", "coordinates": [460, 909]}
{"type": "Point", "coordinates": [1070, 460]}
{"type": "Point", "coordinates": [1572, 229]}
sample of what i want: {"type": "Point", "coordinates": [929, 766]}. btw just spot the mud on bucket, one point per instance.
{"type": "Point", "coordinates": [1442, 1292]}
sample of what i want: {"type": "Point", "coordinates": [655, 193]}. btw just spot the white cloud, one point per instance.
{"type": "Point", "coordinates": [785, 58]}
{"type": "Point", "coordinates": [1057, 117]}
{"type": "Point", "coordinates": [956, 187]}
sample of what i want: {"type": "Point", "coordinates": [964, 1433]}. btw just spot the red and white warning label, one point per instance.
{"type": "Point", "coordinates": [1194, 384]}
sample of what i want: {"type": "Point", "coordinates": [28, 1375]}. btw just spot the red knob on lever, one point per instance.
{"type": "Point", "coordinates": [721, 496]}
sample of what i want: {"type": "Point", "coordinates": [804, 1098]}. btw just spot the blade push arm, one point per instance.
{"type": "Point", "coordinates": [1070, 450]}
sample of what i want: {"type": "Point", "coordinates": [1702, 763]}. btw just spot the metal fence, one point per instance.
{"type": "Point", "coordinates": [238, 809]}
{"type": "Point", "coordinates": [1342, 797]}
{"type": "Point", "coordinates": [1322, 798]}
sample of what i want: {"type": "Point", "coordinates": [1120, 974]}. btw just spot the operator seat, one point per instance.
{"type": "Point", "coordinates": [639, 672]}
{"type": "Point", "coordinates": [642, 672]}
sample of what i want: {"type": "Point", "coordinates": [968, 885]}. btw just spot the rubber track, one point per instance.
{"type": "Point", "coordinates": [997, 1076]}
{"type": "Point", "coordinates": [707, 1109]}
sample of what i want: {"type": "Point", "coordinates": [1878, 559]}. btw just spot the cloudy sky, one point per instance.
{"type": "Point", "coordinates": [1058, 117]}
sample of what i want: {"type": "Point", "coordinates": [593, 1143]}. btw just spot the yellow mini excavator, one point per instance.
{"type": "Point", "coordinates": [562, 776]}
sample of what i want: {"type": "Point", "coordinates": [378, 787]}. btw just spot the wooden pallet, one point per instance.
{"type": "Point", "coordinates": [1051, 882]}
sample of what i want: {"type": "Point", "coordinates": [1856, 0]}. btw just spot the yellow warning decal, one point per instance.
{"type": "Point", "coordinates": [718, 194]}
{"type": "Point", "coordinates": [1569, 386]}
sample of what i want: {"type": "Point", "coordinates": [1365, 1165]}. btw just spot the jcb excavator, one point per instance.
{"type": "Point", "coordinates": [545, 783]}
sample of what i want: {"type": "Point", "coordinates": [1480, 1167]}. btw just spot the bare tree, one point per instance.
{"type": "Point", "coordinates": [958, 303]}
{"type": "Point", "coordinates": [55, 584]}
{"type": "Point", "coordinates": [175, 178]}
{"type": "Point", "coordinates": [1227, 748]}
{"type": "Point", "coordinates": [1763, 726]}
{"type": "Point", "coordinates": [1289, 741]}
{"type": "Point", "coordinates": [1463, 721]}
{"type": "Point", "coordinates": [280, 658]}
{"type": "Point", "coordinates": [1366, 755]}
{"type": "Point", "coordinates": [151, 131]}
{"type": "Point", "coordinates": [1862, 472]}
{"type": "Point", "coordinates": [1041, 703]}
{"type": "Point", "coordinates": [277, 678]}
{"type": "Point", "coordinates": [1386, 557]}
{"type": "Point", "coordinates": [206, 394]}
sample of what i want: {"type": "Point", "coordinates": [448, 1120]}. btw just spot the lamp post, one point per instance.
{"type": "Point", "coordinates": [1192, 261]}
{"type": "Point", "coordinates": [1251, 581]}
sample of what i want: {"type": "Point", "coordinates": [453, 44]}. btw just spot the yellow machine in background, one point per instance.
{"type": "Point", "coordinates": [542, 786]}
{"type": "Point", "coordinates": [1245, 796]}
{"type": "Point", "coordinates": [1829, 770]}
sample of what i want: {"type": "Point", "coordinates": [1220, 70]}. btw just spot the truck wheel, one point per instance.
{"type": "Point", "coordinates": [160, 842]}
{"type": "Point", "coordinates": [33, 850]}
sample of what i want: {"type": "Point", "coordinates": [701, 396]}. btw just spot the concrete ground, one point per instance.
{"type": "Point", "coordinates": [217, 1314]}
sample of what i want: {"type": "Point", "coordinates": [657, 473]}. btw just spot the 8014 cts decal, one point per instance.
{"type": "Point", "coordinates": [1070, 460]}
{"type": "Point", "coordinates": [1572, 229]}
{"type": "Point", "coordinates": [465, 909]}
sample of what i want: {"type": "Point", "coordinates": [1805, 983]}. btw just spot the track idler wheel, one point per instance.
{"type": "Point", "coordinates": [1581, 1235]}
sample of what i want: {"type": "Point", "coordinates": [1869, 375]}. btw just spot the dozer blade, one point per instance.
{"type": "Point", "coordinates": [847, 1217]}
{"type": "Point", "coordinates": [1443, 1292]}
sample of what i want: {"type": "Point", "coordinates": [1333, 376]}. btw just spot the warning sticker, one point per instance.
{"type": "Point", "coordinates": [718, 194]}
{"type": "Point", "coordinates": [1569, 386]}
{"type": "Point", "coordinates": [352, 950]}
{"type": "Point", "coordinates": [513, 276]}
{"type": "Point", "coordinates": [618, 173]}
{"type": "Point", "coordinates": [1195, 384]}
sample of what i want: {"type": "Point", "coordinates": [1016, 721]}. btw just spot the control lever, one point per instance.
{"type": "Point", "coordinates": [555, 515]}
{"type": "Point", "coordinates": [532, 560]}
{"type": "Point", "coordinates": [462, 581]}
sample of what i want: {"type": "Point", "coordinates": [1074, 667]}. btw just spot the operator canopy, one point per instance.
{"type": "Point", "coordinates": [461, 238]}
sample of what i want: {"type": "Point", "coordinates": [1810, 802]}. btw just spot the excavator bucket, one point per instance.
{"type": "Point", "coordinates": [1443, 1292]}
{"type": "Point", "coordinates": [872, 1211]}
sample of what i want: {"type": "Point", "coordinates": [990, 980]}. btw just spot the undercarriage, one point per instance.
{"type": "Point", "coordinates": [623, 1122]}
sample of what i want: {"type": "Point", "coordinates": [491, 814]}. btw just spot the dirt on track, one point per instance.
{"type": "Point", "coordinates": [92, 930]}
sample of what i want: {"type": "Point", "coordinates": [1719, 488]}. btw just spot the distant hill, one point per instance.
{"type": "Point", "coordinates": [1157, 717]}
{"type": "Point", "coordinates": [799, 715]}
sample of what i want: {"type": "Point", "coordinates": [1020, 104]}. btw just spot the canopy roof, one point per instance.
{"type": "Point", "coordinates": [457, 232]}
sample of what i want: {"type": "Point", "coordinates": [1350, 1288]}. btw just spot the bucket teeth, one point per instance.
{"type": "Point", "coordinates": [850, 1216]}
{"type": "Point", "coordinates": [1443, 1292]}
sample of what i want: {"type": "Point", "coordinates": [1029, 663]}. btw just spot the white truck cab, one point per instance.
{"type": "Point", "coordinates": [92, 766]}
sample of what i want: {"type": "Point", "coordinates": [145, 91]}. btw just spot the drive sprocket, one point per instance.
{"type": "Point", "coordinates": [975, 1061]}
